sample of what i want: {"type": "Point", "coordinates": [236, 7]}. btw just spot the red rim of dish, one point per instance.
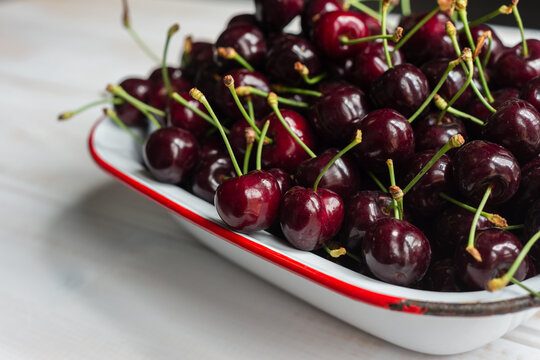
{"type": "Point", "coordinates": [329, 282]}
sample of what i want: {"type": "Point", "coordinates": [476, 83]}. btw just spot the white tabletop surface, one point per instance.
{"type": "Point", "coordinates": [91, 270]}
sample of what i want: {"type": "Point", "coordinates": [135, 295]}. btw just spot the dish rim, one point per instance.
{"type": "Point", "coordinates": [389, 302]}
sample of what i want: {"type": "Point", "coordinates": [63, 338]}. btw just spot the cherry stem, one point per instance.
{"type": "Point", "coordinates": [499, 283]}
{"type": "Point", "coordinates": [199, 96]}
{"type": "Point", "coordinates": [172, 30]}
{"type": "Point", "coordinates": [525, 50]}
{"type": "Point", "coordinates": [441, 104]}
{"type": "Point", "coordinates": [335, 253]}
{"type": "Point", "coordinates": [411, 32]}
{"type": "Point", "coordinates": [364, 8]}
{"type": "Point", "coordinates": [249, 90]}
{"type": "Point", "coordinates": [454, 142]}
{"type": "Point", "coordinates": [292, 90]}
{"type": "Point", "coordinates": [384, 12]}
{"type": "Point", "coordinates": [398, 213]}
{"type": "Point", "coordinates": [377, 181]}
{"type": "Point", "coordinates": [260, 144]}
{"type": "Point", "coordinates": [451, 65]}
{"type": "Point", "coordinates": [495, 219]}
{"type": "Point", "coordinates": [186, 104]}
{"type": "Point", "coordinates": [452, 33]}
{"type": "Point", "coordinates": [467, 56]}
{"type": "Point", "coordinates": [470, 245]}
{"type": "Point", "coordinates": [251, 110]}
{"type": "Point", "coordinates": [69, 114]}
{"type": "Point", "coordinates": [147, 110]}
{"type": "Point", "coordinates": [512, 227]}
{"type": "Point", "coordinates": [188, 46]}
{"type": "Point", "coordinates": [526, 288]}
{"type": "Point", "coordinates": [273, 102]}
{"type": "Point", "coordinates": [250, 139]}
{"type": "Point", "coordinates": [357, 140]}
{"type": "Point", "coordinates": [488, 51]}
{"type": "Point", "coordinates": [395, 37]}
{"type": "Point", "coordinates": [127, 24]}
{"type": "Point", "coordinates": [112, 114]}
{"type": "Point", "coordinates": [231, 54]}
{"type": "Point", "coordinates": [304, 73]}
{"type": "Point", "coordinates": [405, 7]}
{"type": "Point", "coordinates": [462, 11]}
{"type": "Point", "coordinates": [502, 10]}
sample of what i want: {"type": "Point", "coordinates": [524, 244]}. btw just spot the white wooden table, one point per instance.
{"type": "Point", "coordinates": [91, 270]}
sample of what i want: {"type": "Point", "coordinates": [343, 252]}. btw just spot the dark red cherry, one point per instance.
{"type": "Point", "coordinates": [184, 118]}
{"type": "Point", "coordinates": [283, 178]}
{"type": "Point", "coordinates": [528, 192]}
{"type": "Point", "coordinates": [339, 68]}
{"type": "Point", "coordinates": [156, 76]}
{"type": "Point", "coordinates": [211, 146]}
{"type": "Point", "coordinates": [242, 77]}
{"type": "Point", "coordinates": [362, 211]}
{"type": "Point", "coordinates": [198, 54]}
{"type": "Point", "coordinates": [478, 109]}
{"type": "Point", "coordinates": [403, 88]}
{"type": "Point", "coordinates": [373, 25]}
{"type": "Point", "coordinates": [396, 252]}
{"type": "Point", "coordinates": [516, 126]}
{"type": "Point", "coordinates": [274, 15]}
{"type": "Point", "coordinates": [247, 40]}
{"type": "Point", "coordinates": [498, 249]}
{"type": "Point", "coordinates": [284, 152]}
{"type": "Point", "coordinates": [442, 276]}
{"type": "Point", "coordinates": [370, 63]}
{"type": "Point", "coordinates": [532, 226]}
{"type": "Point", "coordinates": [210, 173]}
{"type": "Point", "coordinates": [342, 177]}
{"type": "Point", "coordinates": [479, 164]}
{"type": "Point", "coordinates": [249, 202]}
{"type": "Point", "coordinates": [170, 153]}
{"type": "Point", "coordinates": [309, 219]}
{"type": "Point", "coordinates": [497, 47]}
{"type": "Point", "coordinates": [285, 53]}
{"type": "Point", "coordinates": [435, 69]}
{"type": "Point", "coordinates": [430, 133]}
{"type": "Point", "coordinates": [140, 90]}
{"type": "Point", "coordinates": [531, 92]}
{"type": "Point", "coordinates": [423, 198]}
{"type": "Point", "coordinates": [386, 134]}
{"type": "Point", "coordinates": [314, 9]}
{"type": "Point", "coordinates": [430, 41]}
{"type": "Point", "coordinates": [337, 115]}
{"type": "Point", "coordinates": [159, 95]}
{"type": "Point", "coordinates": [237, 136]}
{"type": "Point", "coordinates": [452, 228]}
{"type": "Point", "coordinates": [243, 19]}
{"type": "Point", "coordinates": [331, 26]}
{"type": "Point", "coordinates": [512, 70]}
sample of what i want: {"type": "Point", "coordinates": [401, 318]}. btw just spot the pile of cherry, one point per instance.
{"type": "Point", "coordinates": [401, 154]}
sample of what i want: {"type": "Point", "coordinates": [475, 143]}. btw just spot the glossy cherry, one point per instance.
{"type": "Point", "coordinates": [430, 133]}
{"type": "Point", "coordinates": [243, 19]}
{"type": "Point", "coordinates": [478, 109]}
{"type": "Point", "coordinates": [337, 115]}
{"type": "Point", "coordinates": [198, 54]}
{"type": "Point", "coordinates": [442, 276]}
{"type": "Point", "coordinates": [140, 90]}
{"type": "Point", "coordinates": [159, 94]}
{"type": "Point", "coordinates": [497, 47]}
{"type": "Point", "coordinates": [386, 134]}
{"type": "Point", "coordinates": [512, 70]}
{"type": "Point", "coordinates": [209, 174]}
{"type": "Point", "coordinates": [498, 249]}
{"type": "Point", "coordinates": [211, 146]}
{"type": "Point", "coordinates": [531, 92]}
{"type": "Point", "coordinates": [331, 26]}
{"type": "Point", "coordinates": [314, 9]}
{"type": "Point", "coordinates": [249, 202]}
{"type": "Point", "coordinates": [283, 178]}
{"type": "Point", "coordinates": [170, 153]}
{"type": "Point", "coordinates": [479, 164]}
{"type": "Point", "coordinates": [156, 76]}
{"type": "Point", "coordinates": [248, 41]}
{"type": "Point", "coordinates": [309, 219]}
{"type": "Point", "coordinates": [396, 251]}
{"type": "Point", "coordinates": [516, 126]}
{"type": "Point", "coordinates": [528, 192]}
{"type": "Point", "coordinates": [182, 117]}
{"type": "Point", "coordinates": [403, 88]}
{"type": "Point", "coordinates": [373, 25]}
{"type": "Point", "coordinates": [274, 15]}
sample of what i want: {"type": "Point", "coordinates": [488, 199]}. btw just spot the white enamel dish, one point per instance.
{"type": "Point", "coordinates": [424, 321]}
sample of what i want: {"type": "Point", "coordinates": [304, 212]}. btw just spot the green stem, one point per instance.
{"type": "Point", "coordinates": [470, 245]}
{"type": "Point", "coordinates": [68, 114]}
{"type": "Point", "coordinates": [397, 206]}
{"type": "Point", "coordinates": [293, 90]}
{"type": "Point", "coordinates": [112, 114]}
{"type": "Point", "coordinates": [525, 51]}
{"type": "Point", "coordinates": [251, 110]}
{"type": "Point", "coordinates": [172, 30]}
{"type": "Point", "coordinates": [405, 7]}
{"type": "Point", "coordinates": [441, 104]}
{"type": "Point", "coordinates": [186, 104]}
{"type": "Point", "coordinates": [526, 288]}
{"type": "Point", "coordinates": [364, 8]}
{"type": "Point", "coordinates": [357, 140]}
{"type": "Point", "coordinates": [142, 107]}
{"type": "Point", "coordinates": [512, 227]}
{"type": "Point", "coordinates": [314, 80]}
{"type": "Point", "coordinates": [377, 181]}
{"type": "Point", "coordinates": [488, 52]}
{"type": "Point", "coordinates": [384, 12]}
{"type": "Point", "coordinates": [142, 45]}
{"type": "Point", "coordinates": [461, 90]}
{"type": "Point", "coordinates": [260, 144]}
{"type": "Point", "coordinates": [282, 100]}
{"type": "Point", "coordinates": [483, 19]}
{"type": "Point", "coordinates": [411, 32]}
{"type": "Point", "coordinates": [346, 41]}
{"type": "Point", "coordinates": [495, 219]}
{"type": "Point", "coordinates": [247, 156]}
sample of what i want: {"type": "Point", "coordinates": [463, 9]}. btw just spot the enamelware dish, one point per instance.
{"type": "Point", "coordinates": [424, 321]}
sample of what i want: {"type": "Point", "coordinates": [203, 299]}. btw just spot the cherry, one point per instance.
{"type": "Point", "coordinates": [498, 249]}
{"type": "Point", "coordinates": [513, 70]}
{"type": "Point", "coordinates": [210, 173]}
{"type": "Point", "coordinates": [247, 40]}
{"type": "Point", "coordinates": [329, 29]}
{"type": "Point", "coordinates": [284, 180]}
{"type": "Point", "coordinates": [274, 15]}
{"type": "Point", "coordinates": [196, 55]}
{"type": "Point", "coordinates": [516, 126]}
{"type": "Point", "coordinates": [396, 251]}
{"type": "Point", "coordinates": [310, 218]}
{"type": "Point", "coordinates": [430, 133]}
{"type": "Point", "coordinates": [479, 164]}
{"type": "Point", "coordinates": [373, 25]}
{"type": "Point", "coordinates": [337, 114]}
{"type": "Point", "coordinates": [497, 47]}
{"type": "Point", "coordinates": [182, 117]}
{"type": "Point", "coordinates": [386, 135]}
{"type": "Point", "coordinates": [243, 19]}
{"type": "Point", "coordinates": [284, 53]}
{"type": "Point", "coordinates": [211, 146]}
{"type": "Point", "coordinates": [403, 88]}
{"type": "Point", "coordinates": [170, 153]}
{"type": "Point", "coordinates": [285, 153]}
{"type": "Point", "coordinates": [159, 96]}
{"type": "Point", "coordinates": [156, 76]}
{"type": "Point", "coordinates": [532, 226]}
{"type": "Point", "coordinates": [140, 90]}
{"type": "Point", "coordinates": [531, 92]}
{"type": "Point", "coordinates": [479, 110]}
{"type": "Point", "coordinates": [314, 9]}
{"type": "Point", "coordinates": [442, 276]}
{"type": "Point", "coordinates": [370, 63]}
{"type": "Point", "coordinates": [237, 135]}
{"type": "Point", "coordinates": [362, 211]}
{"type": "Point", "coordinates": [342, 177]}
{"type": "Point", "coordinates": [249, 202]}
{"type": "Point", "coordinates": [528, 192]}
